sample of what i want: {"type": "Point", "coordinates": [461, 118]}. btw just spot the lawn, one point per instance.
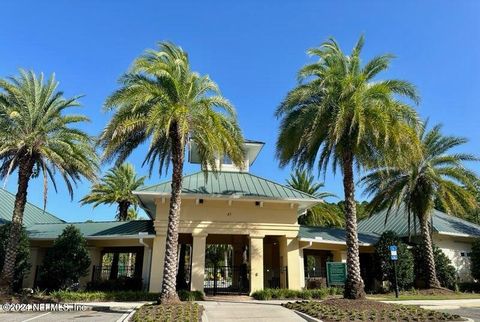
{"type": "Point", "coordinates": [183, 312]}
{"type": "Point", "coordinates": [339, 310]}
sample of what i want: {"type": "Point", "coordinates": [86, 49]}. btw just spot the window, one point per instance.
{"type": "Point", "coordinates": [227, 160]}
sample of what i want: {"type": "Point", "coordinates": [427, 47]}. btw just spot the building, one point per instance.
{"type": "Point", "coordinates": [249, 220]}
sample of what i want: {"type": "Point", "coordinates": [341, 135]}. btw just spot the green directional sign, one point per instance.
{"type": "Point", "coordinates": [336, 273]}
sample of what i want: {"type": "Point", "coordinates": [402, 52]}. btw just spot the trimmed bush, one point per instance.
{"type": "Point", "coordinates": [446, 273]}
{"type": "Point", "coordinates": [185, 295]}
{"type": "Point", "coordinates": [22, 264]}
{"type": "Point", "coordinates": [122, 283]}
{"type": "Point", "coordinates": [66, 261]}
{"type": "Point", "coordinates": [475, 259]}
{"type": "Point", "coordinates": [284, 294]}
{"type": "Point", "coordinates": [384, 266]}
{"type": "Point", "coordinates": [122, 296]}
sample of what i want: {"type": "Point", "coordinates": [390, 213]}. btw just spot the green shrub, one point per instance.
{"type": "Point", "coordinates": [122, 283]}
{"type": "Point", "coordinates": [475, 259]}
{"type": "Point", "coordinates": [283, 294]}
{"type": "Point", "coordinates": [384, 266]}
{"type": "Point", "coordinates": [22, 264]}
{"type": "Point", "coordinates": [446, 273]}
{"type": "Point", "coordinates": [185, 295]}
{"type": "Point", "coordinates": [66, 261]}
{"type": "Point", "coordinates": [470, 287]}
{"type": "Point", "coordinates": [121, 296]}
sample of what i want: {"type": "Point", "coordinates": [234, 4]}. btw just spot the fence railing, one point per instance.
{"type": "Point", "coordinates": [103, 272]}
{"type": "Point", "coordinates": [226, 280]}
{"type": "Point", "coordinates": [275, 277]}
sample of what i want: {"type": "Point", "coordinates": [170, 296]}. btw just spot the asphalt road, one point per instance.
{"type": "Point", "coordinates": [87, 316]}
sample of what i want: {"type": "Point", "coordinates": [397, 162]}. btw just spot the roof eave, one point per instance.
{"type": "Point", "coordinates": [326, 241]}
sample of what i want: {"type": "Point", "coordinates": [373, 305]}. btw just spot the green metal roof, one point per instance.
{"type": "Point", "coordinates": [32, 214]}
{"type": "Point", "coordinates": [336, 235]}
{"type": "Point", "coordinates": [99, 229]}
{"type": "Point", "coordinates": [398, 222]}
{"type": "Point", "coordinates": [238, 184]}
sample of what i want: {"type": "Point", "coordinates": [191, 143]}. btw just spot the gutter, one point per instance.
{"type": "Point", "coordinates": [311, 240]}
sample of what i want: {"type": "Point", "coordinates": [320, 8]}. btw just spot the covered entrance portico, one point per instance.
{"type": "Point", "coordinates": [235, 263]}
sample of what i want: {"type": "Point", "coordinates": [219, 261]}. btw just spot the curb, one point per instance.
{"type": "Point", "coordinates": [204, 315]}
{"type": "Point", "coordinates": [127, 316]}
{"type": "Point", "coordinates": [307, 317]}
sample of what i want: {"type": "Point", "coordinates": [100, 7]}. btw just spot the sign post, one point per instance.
{"type": "Point", "coordinates": [394, 258]}
{"type": "Point", "coordinates": [336, 273]}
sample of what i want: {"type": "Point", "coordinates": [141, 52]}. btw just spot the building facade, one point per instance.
{"type": "Point", "coordinates": [238, 233]}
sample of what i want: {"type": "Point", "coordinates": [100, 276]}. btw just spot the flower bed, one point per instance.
{"type": "Point", "coordinates": [183, 312]}
{"type": "Point", "coordinates": [336, 310]}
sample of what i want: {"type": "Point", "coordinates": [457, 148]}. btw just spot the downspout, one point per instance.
{"type": "Point", "coordinates": [149, 258]}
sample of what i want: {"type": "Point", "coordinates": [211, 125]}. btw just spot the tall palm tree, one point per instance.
{"type": "Point", "coordinates": [340, 115]}
{"type": "Point", "coordinates": [38, 138]}
{"type": "Point", "coordinates": [436, 177]}
{"type": "Point", "coordinates": [323, 214]}
{"type": "Point", "coordinates": [117, 186]}
{"type": "Point", "coordinates": [163, 100]}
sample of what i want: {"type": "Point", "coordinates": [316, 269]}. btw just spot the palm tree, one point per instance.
{"type": "Point", "coordinates": [437, 177]}
{"type": "Point", "coordinates": [323, 214]}
{"type": "Point", "coordinates": [340, 115]}
{"type": "Point", "coordinates": [38, 138]}
{"type": "Point", "coordinates": [117, 186]}
{"type": "Point", "coordinates": [163, 100]}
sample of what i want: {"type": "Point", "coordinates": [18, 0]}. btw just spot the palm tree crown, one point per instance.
{"type": "Point", "coordinates": [34, 127]}
{"type": "Point", "coordinates": [161, 97]}
{"type": "Point", "coordinates": [116, 186]}
{"type": "Point", "coordinates": [322, 214]}
{"type": "Point", "coordinates": [340, 115]}
{"type": "Point", "coordinates": [38, 138]}
{"type": "Point", "coordinates": [437, 177]}
{"type": "Point", "coordinates": [162, 100]}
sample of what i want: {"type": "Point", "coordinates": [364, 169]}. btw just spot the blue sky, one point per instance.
{"type": "Point", "coordinates": [253, 50]}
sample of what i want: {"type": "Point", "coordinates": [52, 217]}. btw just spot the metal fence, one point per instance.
{"type": "Point", "coordinates": [227, 280]}
{"type": "Point", "coordinates": [275, 277]}
{"type": "Point", "coordinates": [103, 272]}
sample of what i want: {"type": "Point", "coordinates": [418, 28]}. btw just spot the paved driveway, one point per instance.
{"type": "Point", "coordinates": [238, 311]}
{"type": "Point", "coordinates": [87, 316]}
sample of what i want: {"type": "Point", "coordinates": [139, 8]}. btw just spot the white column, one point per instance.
{"type": "Point", "coordinates": [146, 265]}
{"type": "Point", "coordinates": [158, 258]}
{"type": "Point", "coordinates": [256, 263]}
{"type": "Point", "coordinates": [96, 260]}
{"type": "Point", "coordinates": [198, 261]}
{"type": "Point", "coordinates": [30, 278]}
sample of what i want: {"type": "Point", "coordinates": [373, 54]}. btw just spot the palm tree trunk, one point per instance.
{"type": "Point", "coordinates": [169, 294]}
{"type": "Point", "coordinates": [114, 267]}
{"type": "Point", "coordinates": [354, 287]}
{"type": "Point", "coordinates": [6, 277]}
{"type": "Point", "coordinates": [431, 279]}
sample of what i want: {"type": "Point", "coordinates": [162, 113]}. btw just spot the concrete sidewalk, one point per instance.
{"type": "Point", "coordinates": [440, 304]}
{"type": "Point", "coordinates": [241, 311]}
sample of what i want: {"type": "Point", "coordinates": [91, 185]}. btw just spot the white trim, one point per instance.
{"type": "Point", "coordinates": [334, 242]}
{"type": "Point", "coordinates": [226, 197]}
{"type": "Point", "coordinates": [455, 234]}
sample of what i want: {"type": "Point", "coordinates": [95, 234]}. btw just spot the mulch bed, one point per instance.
{"type": "Point", "coordinates": [31, 299]}
{"type": "Point", "coordinates": [182, 312]}
{"type": "Point", "coordinates": [336, 310]}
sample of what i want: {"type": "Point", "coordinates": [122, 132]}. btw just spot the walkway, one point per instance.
{"type": "Point", "coordinates": [238, 310]}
